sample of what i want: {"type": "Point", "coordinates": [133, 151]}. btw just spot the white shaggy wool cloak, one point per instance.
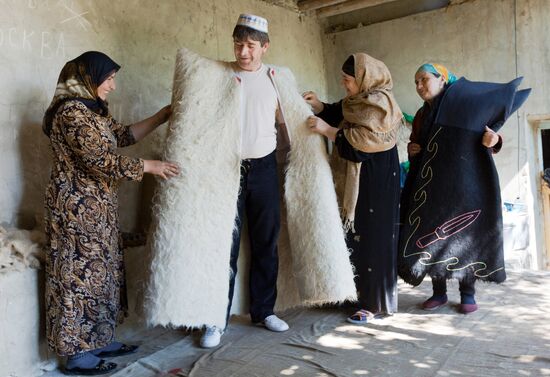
{"type": "Point", "coordinates": [194, 213]}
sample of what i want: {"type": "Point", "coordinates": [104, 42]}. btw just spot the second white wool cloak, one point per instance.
{"type": "Point", "coordinates": [194, 213]}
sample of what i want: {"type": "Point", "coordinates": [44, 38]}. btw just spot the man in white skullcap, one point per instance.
{"type": "Point", "coordinates": [263, 131]}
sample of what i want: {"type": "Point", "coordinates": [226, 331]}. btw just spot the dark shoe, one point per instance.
{"type": "Point", "coordinates": [434, 302]}
{"type": "Point", "coordinates": [123, 350]}
{"type": "Point", "coordinates": [467, 308]}
{"type": "Point", "coordinates": [102, 368]}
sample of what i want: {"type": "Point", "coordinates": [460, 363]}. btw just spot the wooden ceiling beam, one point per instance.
{"type": "Point", "coordinates": [348, 6]}
{"type": "Point", "coordinates": [305, 5]}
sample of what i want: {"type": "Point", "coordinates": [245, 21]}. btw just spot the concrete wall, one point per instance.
{"type": "Point", "coordinates": [483, 40]}
{"type": "Point", "coordinates": [38, 36]}
{"type": "Point", "coordinates": [21, 325]}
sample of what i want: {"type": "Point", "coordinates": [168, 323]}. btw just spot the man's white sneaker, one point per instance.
{"type": "Point", "coordinates": [274, 323]}
{"type": "Point", "coordinates": [211, 337]}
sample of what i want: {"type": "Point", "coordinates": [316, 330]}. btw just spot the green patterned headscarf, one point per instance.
{"type": "Point", "coordinates": [438, 70]}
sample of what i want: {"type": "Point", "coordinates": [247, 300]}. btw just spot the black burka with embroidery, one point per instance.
{"type": "Point", "coordinates": [451, 215]}
{"type": "Point", "coordinates": [374, 243]}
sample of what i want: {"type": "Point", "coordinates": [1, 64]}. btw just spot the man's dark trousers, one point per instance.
{"type": "Point", "coordinates": [259, 200]}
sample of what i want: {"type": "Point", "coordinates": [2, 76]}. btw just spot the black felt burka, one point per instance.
{"type": "Point", "coordinates": [451, 216]}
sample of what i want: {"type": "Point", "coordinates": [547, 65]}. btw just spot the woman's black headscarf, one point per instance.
{"type": "Point", "coordinates": [79, 80]}
{"type": "Point", "coordinates": [349, 66]}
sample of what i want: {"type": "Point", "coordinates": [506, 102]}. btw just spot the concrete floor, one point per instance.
{"type": "Point", "coordinates": [508, 336]}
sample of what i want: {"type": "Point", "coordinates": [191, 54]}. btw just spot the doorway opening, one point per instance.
{"type": "Point", "coordinates": [541, 168]}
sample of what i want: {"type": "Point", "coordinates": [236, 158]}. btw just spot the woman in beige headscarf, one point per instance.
{"type": "Point", "coordinates": [363, 127]}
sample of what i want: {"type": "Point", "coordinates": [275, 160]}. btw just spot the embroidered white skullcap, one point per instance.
{"type": "Point", "coordinates": [253, 22]}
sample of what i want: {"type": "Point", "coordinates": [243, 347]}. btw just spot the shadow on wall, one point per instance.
{"type": "Point", "coordinates": [35, 163]}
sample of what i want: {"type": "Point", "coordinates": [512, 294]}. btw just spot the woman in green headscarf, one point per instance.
{"type": "Point", "coordinates": [432, 82]}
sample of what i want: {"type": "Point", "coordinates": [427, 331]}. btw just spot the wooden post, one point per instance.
{"type": "Point", "coordinates": [306, 5]}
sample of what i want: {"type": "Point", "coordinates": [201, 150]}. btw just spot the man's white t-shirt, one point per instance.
{"type": "Point", "coordinates": [258, 107]}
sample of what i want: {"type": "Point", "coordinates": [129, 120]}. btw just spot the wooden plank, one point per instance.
{"type": "Point", "coordinates": [349, 6]}
{"type": "Point", "coordinates": [306, 5]}
{"type": "Point", "coordinates": [545, 193]}
{"type": "Point", "coordinates": [538, 118]}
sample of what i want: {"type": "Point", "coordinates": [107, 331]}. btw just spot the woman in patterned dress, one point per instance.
{"type": "Point", "coordinates": [84, 263]}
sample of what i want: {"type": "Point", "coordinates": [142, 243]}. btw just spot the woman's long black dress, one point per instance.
{"type": "Point", "coordinates": [374, 243]}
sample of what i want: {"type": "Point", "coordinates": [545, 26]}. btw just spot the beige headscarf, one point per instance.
{"type": "Point", "coordinates": [371, 121]}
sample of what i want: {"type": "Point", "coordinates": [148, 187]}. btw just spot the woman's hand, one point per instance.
{"type": "Point", "coordinates": [163, 169]}
{"type": "Point", "coordinates": [317, 125]}
{"type": "Point", "coordinates": [490, 138]}
{"type": "Point", "coordinates": [164, 114]}
{"type": "Point", "coordinates": [311, 98]}
{"type": "Point", "coordinates": [413, 149]}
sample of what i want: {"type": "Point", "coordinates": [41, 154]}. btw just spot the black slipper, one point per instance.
{"type": "Point", "coordinates": [102, 368]}
{"type": "Point", "coordinates": [123, 350]}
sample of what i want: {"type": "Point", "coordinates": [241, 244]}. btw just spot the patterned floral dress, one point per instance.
{"type": "Point", "coordinates": [84, 263]}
